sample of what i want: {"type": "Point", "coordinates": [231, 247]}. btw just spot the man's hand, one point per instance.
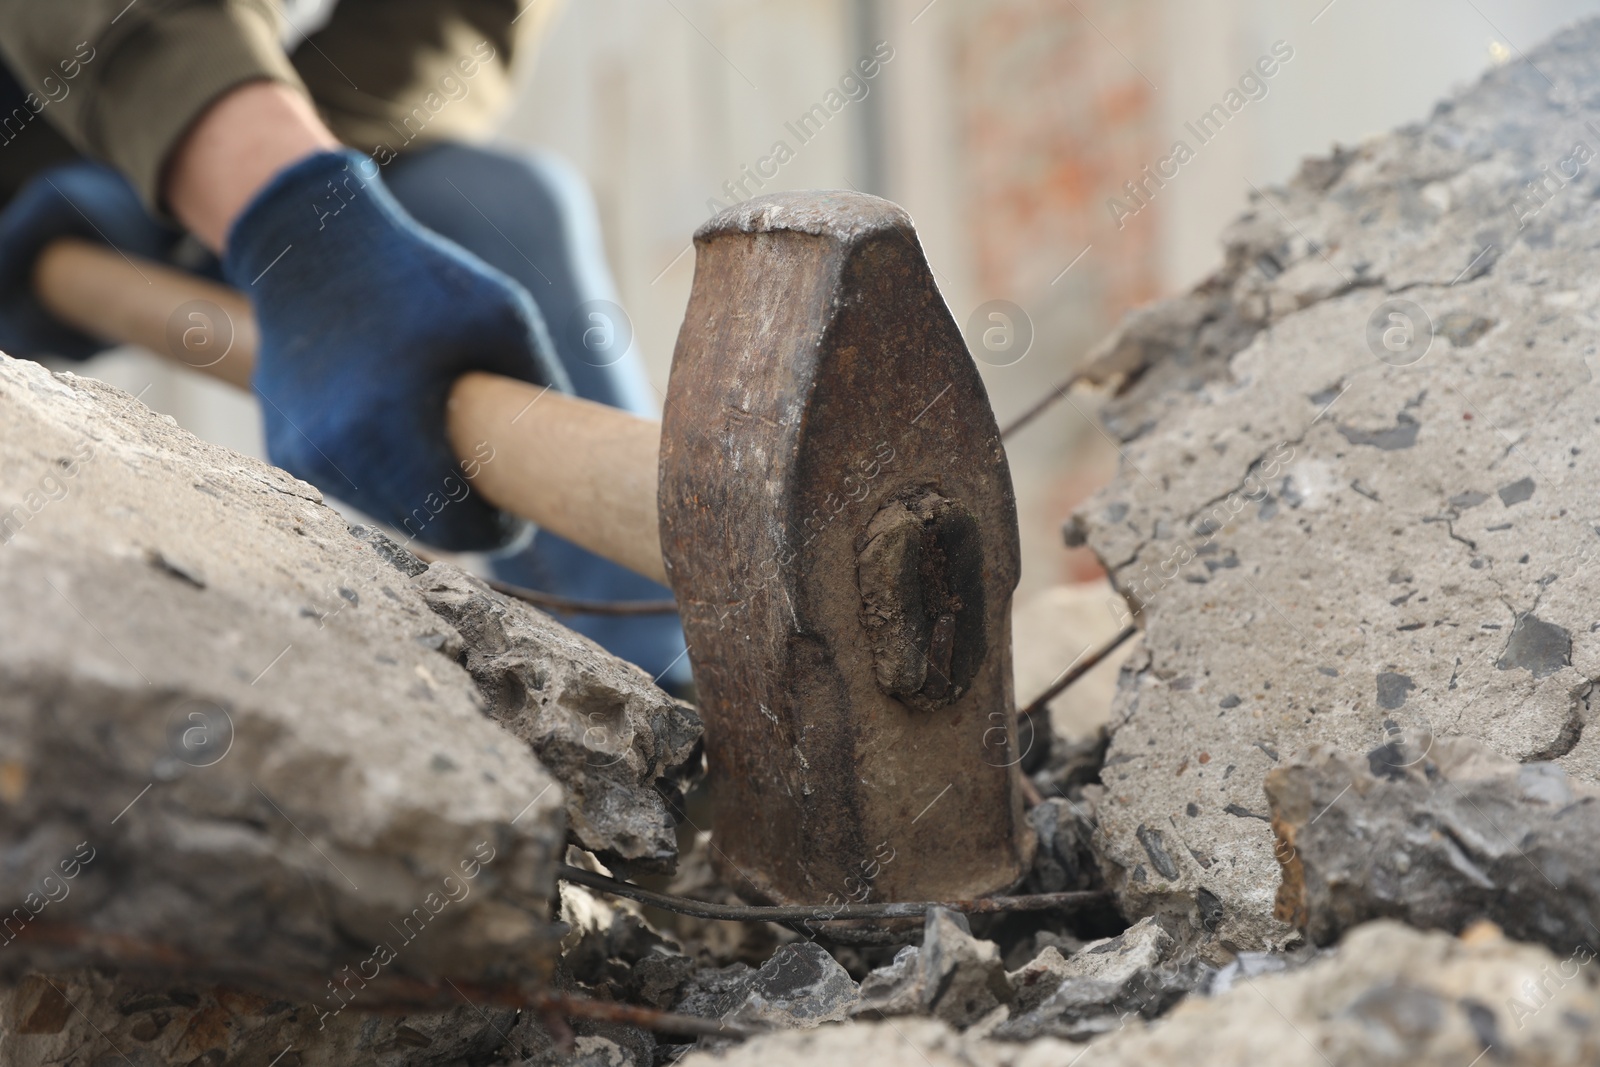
{"type": "Point", "coordinates": [83, 200]}
{"type": "Point", "coordinates": [366, 318]}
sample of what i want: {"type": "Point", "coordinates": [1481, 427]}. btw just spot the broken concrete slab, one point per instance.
{"type": "Point", "coordinates": [1439, 838]}
{"type": "Point", "coordinates": [1391, 996]}
{"type": "Point", "coordinates": [1371, 511]}
{"type": "Point", "coordinates": [951, 975]}
{"type": "Point", "coordinates": [800, 986]}
{"type": "Point", "coordinates": [615, 741]}
{"type": "Point", "coordinates": [1137, 974]}
{"type": "Point", "coordinates": [237, 743]}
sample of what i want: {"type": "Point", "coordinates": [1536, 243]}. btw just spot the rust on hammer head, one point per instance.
{"type": "Point", "coordinates": [838, 525]}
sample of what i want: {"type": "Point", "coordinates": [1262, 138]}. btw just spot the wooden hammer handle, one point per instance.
{"type": "Point", "coordinates": [579, 469]}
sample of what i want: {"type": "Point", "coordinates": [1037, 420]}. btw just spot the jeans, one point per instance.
{"type": "Point", "coordinates": [531, 216]}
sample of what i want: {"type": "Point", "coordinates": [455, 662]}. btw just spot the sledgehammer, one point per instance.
{"type": "Point", "coordinates": [829, 500]}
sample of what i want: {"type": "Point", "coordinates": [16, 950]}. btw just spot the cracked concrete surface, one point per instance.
{"type": "Point", "coordinates": [1362, 522]}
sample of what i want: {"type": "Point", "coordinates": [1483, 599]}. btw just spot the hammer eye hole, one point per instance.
{"type": "Point", "coordinates": [921, 580]}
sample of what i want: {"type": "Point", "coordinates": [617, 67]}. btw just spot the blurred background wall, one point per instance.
{"type": "Point", "coordinates": [1003, 126]}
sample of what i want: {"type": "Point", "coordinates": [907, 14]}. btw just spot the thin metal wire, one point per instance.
{"type": "Point", "coordinates": [1055, 394]}
{"type": "Point", "coordinates": [565, 604]}
{"type": "Point", "coordinates": [1078, 670]}
{"type": "Point", "coordinates": [574, 606]}
{"type": "Point", "coordinates": [700, 909]}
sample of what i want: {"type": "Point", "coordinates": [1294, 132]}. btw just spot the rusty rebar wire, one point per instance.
{"type": "Point", "coordinates": [392, 993]}
{"type": "Point", "coordinates": [567, 605]}
{"type": "Point", "coordinates": [700, 909]}
{"type": "Point", "coordinates": [661, 1022]}
{"type": "Point", "coordinates": [1059, 392]}
{"type": "Point", "coordinates": [574, 606]}
{"type": "Point", "coordinates": [1078, 670]}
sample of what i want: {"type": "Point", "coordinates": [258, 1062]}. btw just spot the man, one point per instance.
{"type": "Point", "coordinates": [333, 183]}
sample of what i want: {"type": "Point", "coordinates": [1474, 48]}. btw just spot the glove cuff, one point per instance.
{"type": "Point", "coordinates": [329, 259]}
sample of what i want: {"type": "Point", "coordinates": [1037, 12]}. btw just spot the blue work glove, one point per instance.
{"type": "Point", "coordinates": [366, 320]}
{"type": "Point", "coordinates": [79, 199]}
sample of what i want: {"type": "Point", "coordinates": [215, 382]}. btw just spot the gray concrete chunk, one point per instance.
{"type": "Point", "coordinates": [801, 986]}
{"type": "Point", "coordinates": [600, 725]}
{"type": "Point", "coordinates": [1388, 557]}
{"type": "Point", "coordinates": [1440, 838]}
{"type": "Point", "coordinates": [1137, 974]}
{"type": "Point", "coordinates": [951, 975]}
{"type": "Point", "coordinates": [234, 741]}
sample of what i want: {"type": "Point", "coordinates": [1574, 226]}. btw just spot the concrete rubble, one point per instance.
{"type": "Point", "coordinates": [1391, 996]}
{"type": "Point", "coordinates": [960, 980]}
{"type": "Point", "coordinates": [951, 975]}
{"type": "Point", "coordinates": [1345, 520]}
{"type": "Point", "coordinates": [1065, 860]}
{"type": "Point", "coordinates": [615, 952]}
{"type": "Point", "coordinates": [800, 987]}
{"type": "Point", "coordinates": [1138, 973]}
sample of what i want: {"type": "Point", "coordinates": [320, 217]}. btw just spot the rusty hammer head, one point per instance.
{"type": "Point", "coordinates": [838, 525]}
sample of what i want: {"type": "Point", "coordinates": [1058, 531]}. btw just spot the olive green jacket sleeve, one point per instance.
{"type": "Point", "coordinates": [393, 74]}
{"type": "Point", "coordinates": [123, 81]}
